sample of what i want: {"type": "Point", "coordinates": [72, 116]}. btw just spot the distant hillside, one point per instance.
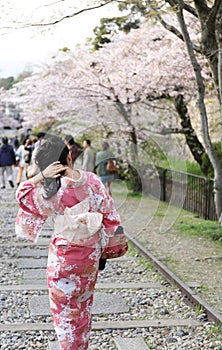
{"type": "Point", "coordinates": [7, 83]}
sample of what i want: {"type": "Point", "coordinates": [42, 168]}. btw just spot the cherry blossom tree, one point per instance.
{"type": "Point", "coordinates": [57, 14]}
{"type": "Point", "coordinates": [207, 14]}
{"type": "Point", "coordinates": [201, 95]}
{"type": "Point", "coordinates": [133, 69]}
{"type": "Point", "coordinates": [119, 84]}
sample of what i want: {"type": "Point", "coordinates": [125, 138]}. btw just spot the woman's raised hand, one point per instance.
{"type": "Point", "coordinates": [54, 170]}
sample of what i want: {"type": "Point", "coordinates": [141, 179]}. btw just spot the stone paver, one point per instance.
{"type": "Point", "coordinates": [43, 241]}
{"type": "Point", "coordinates": [130, 343]}
{"type": "Point", "coordinates": [35, 252]}
{"type": "Point", "coordinates": [32, 263]}
{"type": "Point", "coordinates": [53, 345]}
{"type": "Point", "coordinates": [29, 274]}
{"type": "Point", "coordinates": [104, 303]}
{"type": "Point", "coordinates": [121, 343]}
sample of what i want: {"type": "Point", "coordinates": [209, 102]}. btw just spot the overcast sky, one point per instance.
{"type": "Point", "coordinates": [24, 48]}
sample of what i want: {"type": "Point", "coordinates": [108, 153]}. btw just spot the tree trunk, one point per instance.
{"type": "Point", "coordinates": [207, 16]}
{"type": "Point", "coordinates": [134, 169]}
{"type": "Point", "coordinates": [192, 140]}
{"type": "Point", "coordinates": [218, 29]}
{"type": "Point", "coordinates": [203, 113]}
{"type": "Point", "coordinates": [133, 162]}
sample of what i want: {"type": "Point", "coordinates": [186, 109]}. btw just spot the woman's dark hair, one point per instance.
{"type": "Point", "coordinates": [105, 145]}
{"type": "Point", "coordinates": [69, 139]}
{"type": "Point", "coordinates": [51, 150]}
{"type": "Point", "coordinates": [5, 140]}
{"type": "Point", "coordinates": [88, 142]}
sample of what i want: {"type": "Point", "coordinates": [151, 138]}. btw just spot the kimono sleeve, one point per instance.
{"type": "Point", "coordinates": [111, 218]}
{"type": "Point", "coordinates": [105, 205]}
{"type": "Point", "coordinates": [29, 220]}
{"type": "Point", "coordinates": [114, 242]}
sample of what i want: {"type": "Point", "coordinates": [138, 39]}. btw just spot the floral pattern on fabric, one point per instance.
{"type": "Point", "coordinates": [72, 273]}
{"type": "Point", "coordinates": [72, 269]}
{"type": "Point", "coordinates": [30, 199]}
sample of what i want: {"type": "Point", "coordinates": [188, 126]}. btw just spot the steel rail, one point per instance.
{"type": "Point", "coordinates": [190, 297]}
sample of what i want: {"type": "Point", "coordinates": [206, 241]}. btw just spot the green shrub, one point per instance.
{"type": "Point", "coordinates": [193, 168]}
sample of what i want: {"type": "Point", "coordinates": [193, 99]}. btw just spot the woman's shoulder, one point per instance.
{"type": "Point", "coordinates": [79, 179]}
{"type": "Point", "coordinates": [104, 154]}
{"type": "Point", "coordinates": [99, 153]}
{"type": "Point", "coordinates": [111, 154]}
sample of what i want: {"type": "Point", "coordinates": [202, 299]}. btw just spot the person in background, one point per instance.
{"type": "Point", "coordinates": [72, 146]}
{"type": "Point", "coordinates": [34, 140]}
{"type": "Point", "coordinates": [102, 158]}
{"type": "Point", "coordinates": [85, 221]}
{"type": "Point", "coordinates": [7, 160]}
{"type": "Point", "coordinates": [88, 161]}
{"type": "Point", "coordinates": [40, 137]}
{"type": "Point", "coordinates": [15, 145]}
{"type": "Point", "coordinates": [24, 152]}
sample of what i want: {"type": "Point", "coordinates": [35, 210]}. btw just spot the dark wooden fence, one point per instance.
{"type": "Point", "coordinates": [190, 192]}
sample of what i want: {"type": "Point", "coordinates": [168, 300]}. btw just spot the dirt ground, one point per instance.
{"type": "Point", "coordinates": [192, 259]}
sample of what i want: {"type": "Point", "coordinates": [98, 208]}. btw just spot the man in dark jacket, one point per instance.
{"type": "Point", "coordinates": [7, 160]}
{"type": "Point", "coordinates": [72, 146]}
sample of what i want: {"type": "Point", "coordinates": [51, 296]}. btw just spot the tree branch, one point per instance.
{"type": "Point", "coordinates": [175, 31]}
{"type": "Point", "coordinates": [188, 8]}
{"type": "Point", "coordinates": [218, 27]}
{"type": "Point", "coordinates": [201, 6]}
{"type": "Point", "coordinates": [167, 131]}
{"type": "Point", "coordinates": [66, 17]}
{"type": "Point", "coordinates": [213, 12]}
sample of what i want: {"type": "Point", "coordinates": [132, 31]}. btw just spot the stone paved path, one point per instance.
{"type": "Point", "coordinates": [31, 263]}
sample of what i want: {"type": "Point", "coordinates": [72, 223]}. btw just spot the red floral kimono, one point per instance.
{"type": "Point", "coordinates": [85, 220]}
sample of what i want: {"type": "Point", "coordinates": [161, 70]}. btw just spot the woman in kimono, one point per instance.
{"type": "Point", "coordinates": [85, 220]}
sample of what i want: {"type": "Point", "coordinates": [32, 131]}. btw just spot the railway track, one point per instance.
{"type": "Point", "coordinates": [190, 296]}
{"type": "Point", "coordinates": [139, 304]}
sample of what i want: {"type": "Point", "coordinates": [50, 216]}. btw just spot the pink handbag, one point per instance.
{"type": "Point", "coordinates": [117, 245]}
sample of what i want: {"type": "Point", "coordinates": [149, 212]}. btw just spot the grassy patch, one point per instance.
{"type": "Point", "coordinates": [195, 226]}
{"type": "Point", "coordinates": [181, 165]}
{"type": "Point", "coordinates": [215, 330]}
{"type": "Point", "coordinates": [183, 222]}
{"type": "Point", "coordinates": [189, 224]}
{"type": "Point", "coordinates": [120, 188]}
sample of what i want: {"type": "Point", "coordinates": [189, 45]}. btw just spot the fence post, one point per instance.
{"type": "Point", "coordinates": [207, 199]}
{"type": "Point", "coordinates": [164, 185]}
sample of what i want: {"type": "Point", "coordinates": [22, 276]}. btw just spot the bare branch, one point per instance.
{"type": "Point", "coordinates": [167, 131]}
{"type": "Point", "coordinates": [201, 6]}
{"type": "Point", "coordinates": [156, 106]}
{"type": "Point", "coordinates": [175, 31]}
{"type": "Point", "coordinates": [186, 7]}
{"type": "Point", "coordinates": [214, 12]}
{"type": "Point", "coordinates": [65, 17]}
{"type": "Point", "coordinates": [51, 4]}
